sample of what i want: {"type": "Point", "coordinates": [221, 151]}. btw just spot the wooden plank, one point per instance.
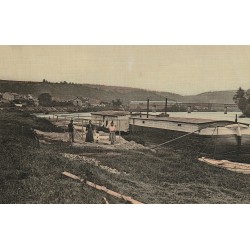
{"type": "Point", "coordinates": [232, 166]}
{"type": "Point", "coordinates": [71, 176]}
{"type": "Point", "coordinates": [102, 188]}
{"type": "Point", "coordinates": [106, 201]}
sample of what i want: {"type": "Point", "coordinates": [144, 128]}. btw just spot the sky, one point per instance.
{"type": "Point", "coordinates": [179, 69]}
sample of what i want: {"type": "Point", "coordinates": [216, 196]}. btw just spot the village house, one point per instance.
{"type": "Point", "coordinates": [14, 96]}
{"type": "Point", "coordinates": [94, 102]}
{"type": "Point", "coordinates": [10, 96]}
{"type": "Point", "coordinates": [77, 102]}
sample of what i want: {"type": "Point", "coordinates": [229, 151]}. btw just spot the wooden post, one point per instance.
{"type": "Point", "coordinates": [225, 109]}
{"type": "Point", "coordinates": [82, 129]}
{"type": "Point", "coordinates": [166, 106]}
{"type": "Point", "coordinates": [119, 131]}
{"type": "Point", "coordinates": [147, 107]}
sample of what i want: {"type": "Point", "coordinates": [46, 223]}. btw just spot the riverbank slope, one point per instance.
{"type": "Point", "coordinates": [32, 173]}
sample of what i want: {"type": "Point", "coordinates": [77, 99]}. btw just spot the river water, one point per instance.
{"type": "Point", "coordinates": [66, 116]}
{"type": "Point", "coordinates": [230, 116]}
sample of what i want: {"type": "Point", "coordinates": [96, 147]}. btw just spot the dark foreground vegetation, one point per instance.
{"type": "Point", "coordinates": [32, 174]}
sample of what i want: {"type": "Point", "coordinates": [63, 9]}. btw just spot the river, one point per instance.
{"type": "Point", "coordinates": [230, 116]}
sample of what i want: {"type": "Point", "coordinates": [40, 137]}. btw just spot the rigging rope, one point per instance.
{"type": "Point", "coordinates": [208, 142]}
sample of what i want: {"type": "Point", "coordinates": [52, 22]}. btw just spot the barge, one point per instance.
{"type": "Point", "coordinates": [225, 132]}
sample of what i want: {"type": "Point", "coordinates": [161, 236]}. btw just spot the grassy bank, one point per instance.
{"type": "Point", "coordinates": [32, 173]}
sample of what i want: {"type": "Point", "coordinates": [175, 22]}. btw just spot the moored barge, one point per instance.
{"type": "Point", "coordinates": [225, 132]}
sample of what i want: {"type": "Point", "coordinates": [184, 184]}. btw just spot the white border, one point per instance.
{"type": "Point", "coordinates": [178, 22]}
{"type": "Point", "coordinates": [124, 22]}
{"type": "Point", "coordinates": [124, 227]}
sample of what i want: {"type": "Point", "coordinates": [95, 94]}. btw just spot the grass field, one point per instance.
{"type": "Point", "coordinates": [32, 174]}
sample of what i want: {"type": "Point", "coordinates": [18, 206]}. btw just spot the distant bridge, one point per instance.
{"type": "Point", "coordinates": [209, 106]}
{"type": "Point", "coordinates": [181, 106]}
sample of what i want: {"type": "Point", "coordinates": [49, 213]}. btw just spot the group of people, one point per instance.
{"type": "Point", "coordinates": [89, 132]}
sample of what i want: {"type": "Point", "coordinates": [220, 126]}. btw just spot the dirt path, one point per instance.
{"type": "Point", "coordinates": [92, 161]}
{"type": "Point", "coordinates": [103, 142]}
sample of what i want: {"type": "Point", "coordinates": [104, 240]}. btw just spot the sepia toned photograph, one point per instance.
{"type": "Point", "coordinates": [124, 124]}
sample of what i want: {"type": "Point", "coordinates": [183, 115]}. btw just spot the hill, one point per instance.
{"type": "Point", "coordinates": [211, 97]}
{"type": "Point", "coordinates": [69, 91]}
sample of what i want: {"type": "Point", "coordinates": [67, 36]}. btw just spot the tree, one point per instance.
{"type": "Point", "coordinates": [240, 99]}
{"type": "Point", "coordinates": [117, 103]}
{"type": "Point", "coordinates": [45, 99]}
{"type": "Point", "coordinates": [247, 110]}
{"type": "Point", "coordinates": [248, 96]}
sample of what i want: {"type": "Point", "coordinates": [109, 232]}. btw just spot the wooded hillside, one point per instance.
{"type": "Point", "coordinates": [69, 91]}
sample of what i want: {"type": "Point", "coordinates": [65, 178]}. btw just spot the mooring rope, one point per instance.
{"type": "Point", "coordinates": [164, 143]}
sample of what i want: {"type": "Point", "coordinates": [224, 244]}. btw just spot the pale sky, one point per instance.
{"type": "Point", "coordinates": [179, 69]}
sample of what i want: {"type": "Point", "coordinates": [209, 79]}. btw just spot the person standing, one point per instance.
{"type": "Point", "coordinates": [71, 131]}
{"type": "Point", "coordinates": [89, 135]}
{"type": "Point", "coordinates": [112, 130]}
